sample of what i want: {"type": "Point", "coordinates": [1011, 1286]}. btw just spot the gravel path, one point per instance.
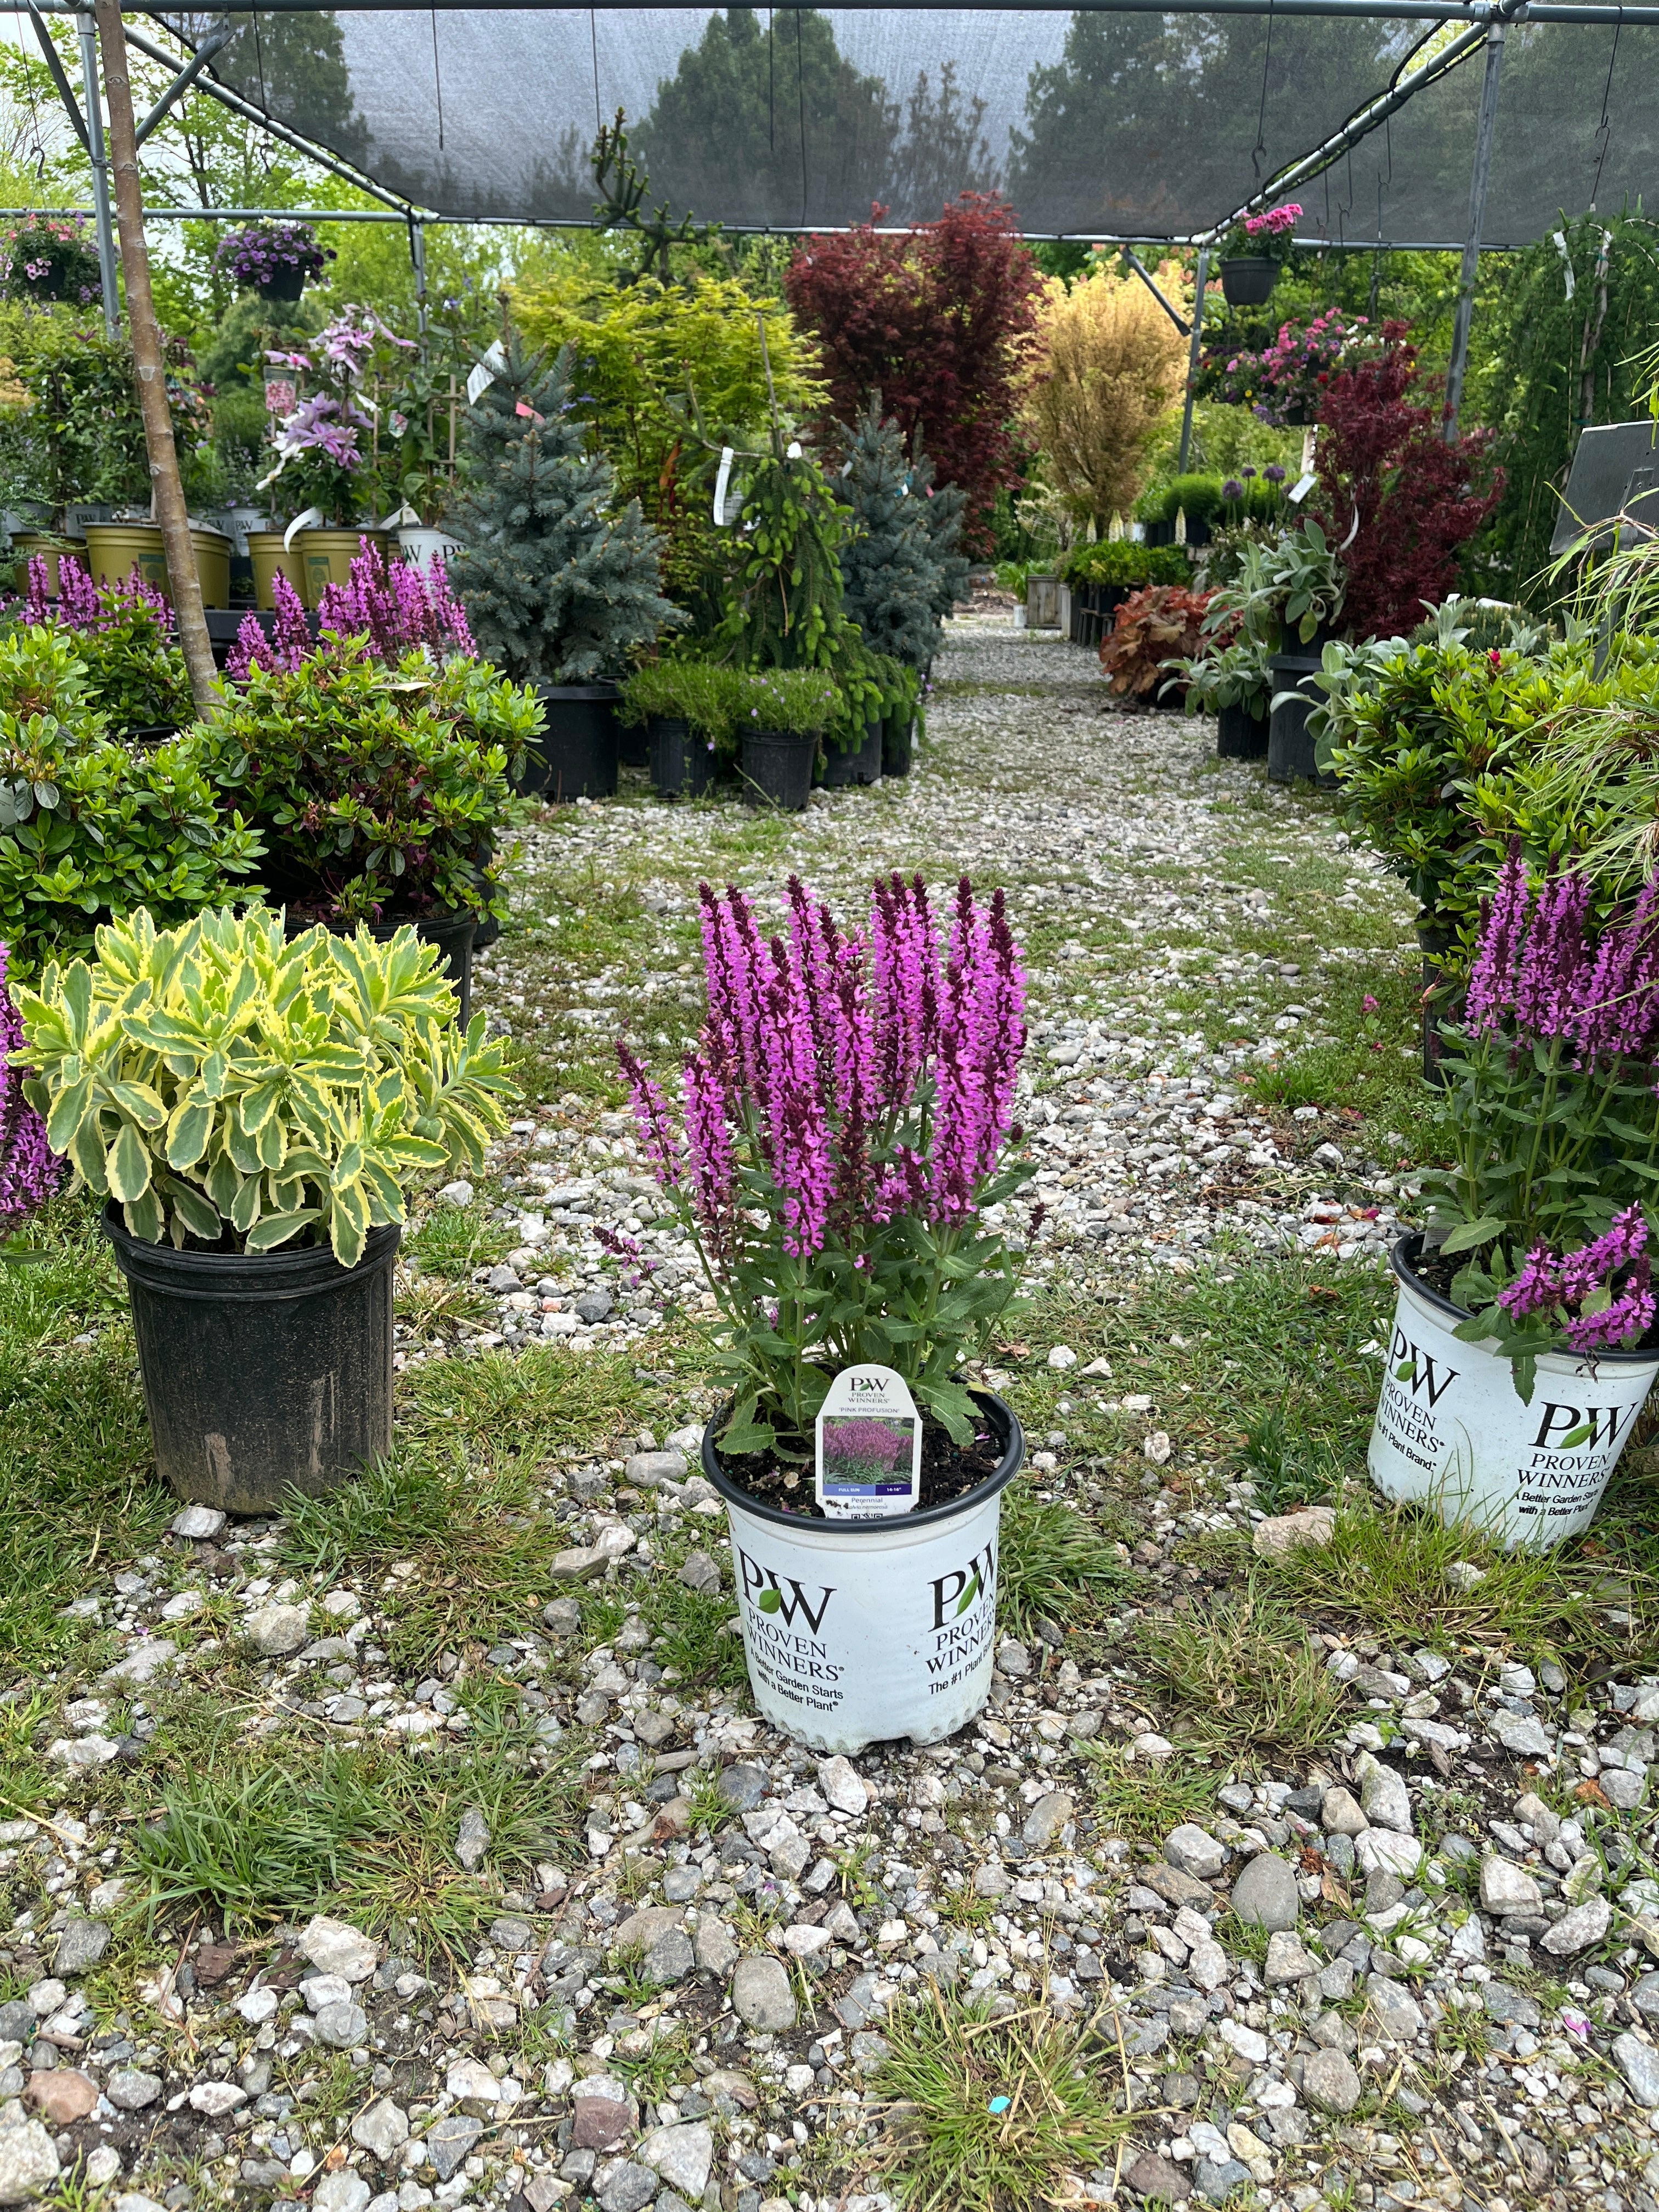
{"type": "Point", "coordinates": [1407, 1970]}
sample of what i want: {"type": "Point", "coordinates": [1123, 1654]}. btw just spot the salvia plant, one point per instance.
{"type": "Point", "coordinates": [122, 634]}
{"type": "Point", "coordinates": [1555, 1120]}
{"type": "Point", "coordinates": [29, 1173]}
{"type": "Point", "coordinates": [397, 607]}
{"type": "Point", "coordinates": [290, 642]}
{"type": "Point", "coordinates": [837, 1152]}
{"type": "Point", "coordinates": [229, 1088]}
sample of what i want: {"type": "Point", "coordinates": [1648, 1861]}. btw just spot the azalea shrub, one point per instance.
{"type": "Point", "coordinates": [1553, 1104]}
{"type": "Point", "coordinates": [1152, 628]}
{"type": "Point", "coordinates": [839, 1148]}
{"type": "Point", "coordinates": [378, 791]}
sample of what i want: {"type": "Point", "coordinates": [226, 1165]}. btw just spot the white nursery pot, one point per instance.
{"type": "Point", "coordinates": [1452, 1432]}
{"type": "Point", "coordinates": [859, 1631]}
{"type": "Point", "coordinates": [421, 546]}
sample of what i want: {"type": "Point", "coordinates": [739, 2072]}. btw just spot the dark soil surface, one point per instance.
{"type": "Point", "coordinates": [948, 1470]}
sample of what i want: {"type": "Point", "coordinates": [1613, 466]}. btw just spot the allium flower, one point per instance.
{"type": "Point", "coordinates": [29, 1170]}
{"type": "Point", "coordinates": [1232, 489]}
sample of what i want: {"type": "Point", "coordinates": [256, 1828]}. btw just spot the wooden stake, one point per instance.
{"type": "Point", "coordinates": [166, 488]}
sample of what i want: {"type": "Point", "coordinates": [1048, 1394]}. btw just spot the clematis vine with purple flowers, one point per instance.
{"type": "Point", "coordinates": [1555, 1102]}
{"type": "Point", "coordinates": [838, 1148]}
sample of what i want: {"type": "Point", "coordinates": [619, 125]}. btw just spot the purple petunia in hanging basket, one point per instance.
{"type": "Point", "coordinates": [265, 252]}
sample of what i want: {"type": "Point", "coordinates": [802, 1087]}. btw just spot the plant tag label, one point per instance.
{"type": "Point", "coordinates": [727, 456]}
{"type": "Point", "coordinates": [869, 1446]}
{"type": "Point", "coordinates": [1299, 490]}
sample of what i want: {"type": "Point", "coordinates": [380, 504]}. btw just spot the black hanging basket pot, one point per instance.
{"type": "Point", "coordinates": [1248, 280]}
{"type": "Point", "coordinates": [282, 284]}
{"type": "Point", "coordinates": [776, 766]}
{"type": "Point", "coordinates": [1240, 735]}
{"type": "Point", "coordinates": [682, 761]}
{"type": "Point", "coordinates": [263, 1372]}
{"type": "Point", "coordinates": [576, 756]}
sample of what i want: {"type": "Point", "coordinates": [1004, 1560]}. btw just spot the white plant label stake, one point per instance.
{"type": "Point", "coordinates": [869, 1446]}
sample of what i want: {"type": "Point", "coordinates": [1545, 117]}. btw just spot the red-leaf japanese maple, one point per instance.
{"type": "Point", "coordinates": [1418, 500]}
{"type": "Point", "coordinates": [935, 320]}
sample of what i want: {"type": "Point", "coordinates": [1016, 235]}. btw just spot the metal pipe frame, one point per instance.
{"type": "Point", "coordinates": [739, 230]}
{"type": "Point", "coordinates": [182, 83]}
{"type": "Point", "coordinates": [1486, 131]}
{"type": "Point", "coordinates": [102, 212]}
{"type": "Point", "coordinates": [1420, 11]}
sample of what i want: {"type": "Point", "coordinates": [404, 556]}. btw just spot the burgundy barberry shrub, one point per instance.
{"type": "Point", "coordinates": [837, 1151]}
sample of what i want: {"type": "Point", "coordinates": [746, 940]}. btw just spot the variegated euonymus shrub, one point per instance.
{"type": "Point", "coordinates": [218, 1079]}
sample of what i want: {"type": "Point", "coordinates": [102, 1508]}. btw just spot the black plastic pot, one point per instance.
{"type": "Point", "coordinates": [263, 1372]}
{"type": "Point", "coordinates": [1249, 280]}
{"type": "Point", "coordinates": [575, 756]}
{"type": "Point", "coordinates": [455, 936]}
{"type": "Point", "coordinates": [1291, 750]}
{"type": "Point", "coordinates": [858, 764]}
{"type": "Point", "coordinates": [776, 766]}
{"type": "Point", "coordinates": [633, 744]}
{"type": "Point", "coordinates": [898, 735]}
{"type": "Point", "coordinates": [1240, 735]}
{"type": "Point", "coordinates": [682, 762]}
{"type": "Point", "coordinates": [282, 285]}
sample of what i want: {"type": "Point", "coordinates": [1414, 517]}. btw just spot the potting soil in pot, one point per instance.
{"type": "Point", "coordinates": [949, 1470]}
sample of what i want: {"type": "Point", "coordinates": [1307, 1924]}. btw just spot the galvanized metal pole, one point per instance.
{"type": "Point", "coordinates": [1485, 130]}
{"type": "Point", "coordinates": [1192, 357]}
{"type": "Point", "coordinates": [108, 263]}
{"type": "Point", "coordinates": [417, 262]}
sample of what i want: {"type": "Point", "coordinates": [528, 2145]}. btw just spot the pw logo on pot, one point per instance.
{"type": "Point", "coordinates": [1417, 1370]}
{"type": "Point", "coordinates": [764, 1591]}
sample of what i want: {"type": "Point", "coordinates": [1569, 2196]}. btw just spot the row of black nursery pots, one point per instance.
{"type": "Point", "coordinates": [578, 753]}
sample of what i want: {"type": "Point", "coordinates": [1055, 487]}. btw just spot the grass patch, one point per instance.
{"type": "Point", "coordinates": [453, 1240]}
{"type": "Point", "coordinates": [367, 1832]}
{"type": "Point", "coordinates": [1244, 1678]}
{"type": "Point", "coordinates": [1375, 1068]}
{"type": "Point", "coordinates": [1004, 2109]}
{"type": "Point", "coordinates": [1053, 1565]}
{"type": "Point", "coordinates": [1385, 1571]}
{"type": "Point", "coordinates": [1146, 1798]}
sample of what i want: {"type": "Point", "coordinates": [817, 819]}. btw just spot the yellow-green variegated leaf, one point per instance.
{"type": "Point", "coordinates": [69, 1110]}
{"type": "Point", "coordinates": [139, 1103]}
{"type": "Point", "coordinates": [188, 1132]}
{"type": "Point", "coordinates": [348, 1228]}
{"type": "Point", "coordinates": [86, 1154]}
{"type": "Point", "coordinates": [272, 1146]}
{"type": "Point", "coordinates": [245, 1207]}
{"type": "Point", "coordinates": [199, 1214]}
{"type": "Point", "coordinates": [275, 1228]}
{"type": "Point", "coordinates": [223, 1182]}
{"type": "Point", "coordinates": [127, 1166]}
{"type": "Point", "coordinates": [145, 1218]}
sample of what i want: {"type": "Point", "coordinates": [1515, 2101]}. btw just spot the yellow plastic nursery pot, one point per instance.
{"type": "Point", "coordinates": [265, 549]}
{"type": "Point", "coordinates": [26, 543]}
{"type": "Point", "coordinates": [326, 555]}
{"type": "Point", "coordinates": [114, 549]}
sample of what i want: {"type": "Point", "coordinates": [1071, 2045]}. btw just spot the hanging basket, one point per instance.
{"type": "Point", "coordinates": [1248, 281]}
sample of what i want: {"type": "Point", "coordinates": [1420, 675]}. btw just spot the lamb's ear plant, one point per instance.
{"type": "Point", "coordinates": [229, 1088]}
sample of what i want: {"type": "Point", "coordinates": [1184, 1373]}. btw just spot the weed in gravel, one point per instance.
{"type": "Point", "coordinates": [1052, 1565]}
{"type": "Point", "coordinates": [369, 1833]}
{"type": "Point", "coordinates": [452, 1240]}
{"type": "Point", "coordinates": [1148, 1797]}
{"type": "Point", "coordinates": [1006, 2110]}
{"type": "Point", "coordinates": [1244, 1678]}
{"type": "Point", "coordinates": [1286, 1469]}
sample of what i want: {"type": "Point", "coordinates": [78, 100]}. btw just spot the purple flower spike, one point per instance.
{"type": "Point", "coordinates": [29, 1169]}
